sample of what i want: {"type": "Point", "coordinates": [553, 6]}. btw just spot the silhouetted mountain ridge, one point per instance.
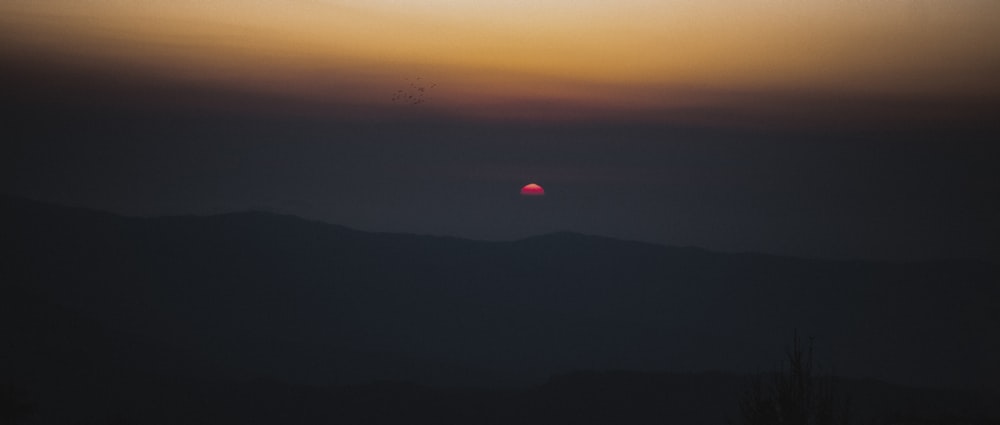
{"type": "Point", "coordinates": [272, 295]}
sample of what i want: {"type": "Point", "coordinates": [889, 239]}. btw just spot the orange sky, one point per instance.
{"type": "Point", "coordinates": [519, 56]}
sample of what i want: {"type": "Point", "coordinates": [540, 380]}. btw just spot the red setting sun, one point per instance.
{"type": "Point", "coordinates": [532, 189]}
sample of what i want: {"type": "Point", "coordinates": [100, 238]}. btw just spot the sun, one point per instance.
{"type": "Point", "coordinates": [532, 189]}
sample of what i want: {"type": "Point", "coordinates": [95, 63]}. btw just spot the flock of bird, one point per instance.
{"type": "Point", "coordinates": [414, 94]}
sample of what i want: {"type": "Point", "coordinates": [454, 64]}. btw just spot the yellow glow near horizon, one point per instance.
{"type": "Point", "coordinates": [612, 54]}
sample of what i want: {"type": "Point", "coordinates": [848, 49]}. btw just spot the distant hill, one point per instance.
{"type": "Point", "coordinates": [265, 296]}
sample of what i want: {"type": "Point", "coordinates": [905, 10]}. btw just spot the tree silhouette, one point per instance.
{"type": "Point", "coordinates": [794, 395]}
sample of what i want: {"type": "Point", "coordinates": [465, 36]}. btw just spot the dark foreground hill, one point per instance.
{"type": "Point", "coordinates": [186, 305]}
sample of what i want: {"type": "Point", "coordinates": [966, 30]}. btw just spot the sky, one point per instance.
{"type": "Point", "coordinates": [826, 128]}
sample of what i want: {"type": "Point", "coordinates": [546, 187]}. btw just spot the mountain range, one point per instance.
{"type": "Point", "coordinates": [90, 296]}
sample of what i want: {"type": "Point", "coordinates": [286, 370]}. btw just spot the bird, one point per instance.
{"type": "Point", "coordinates": [414, 93]}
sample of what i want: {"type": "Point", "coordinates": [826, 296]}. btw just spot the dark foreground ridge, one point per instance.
{"type": "Point", "coordinates": [255, 317]}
